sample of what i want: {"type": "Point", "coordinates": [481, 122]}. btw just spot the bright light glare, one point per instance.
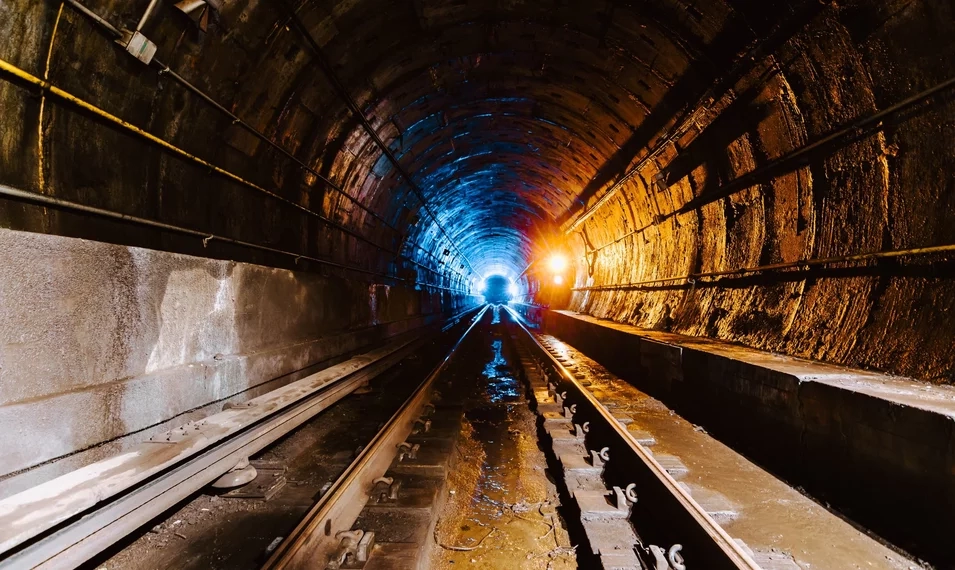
{"type": "Point", "coordinates": [557, 263]}
{"type": "Point", "coordinates": [513, 290]}
{"type": "Point", "coordinates": [558, 280]}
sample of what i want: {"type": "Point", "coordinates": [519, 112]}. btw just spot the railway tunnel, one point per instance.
{"type": "Point", "coordinates": [727, 223]}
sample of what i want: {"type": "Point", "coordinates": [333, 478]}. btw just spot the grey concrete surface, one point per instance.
{"type": "Point", "coordinates": [98, 341]}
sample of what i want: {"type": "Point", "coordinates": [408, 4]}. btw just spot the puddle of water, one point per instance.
{"type": "Point", "coordinates": [491, 423]}
{"type": "Point", "coordinates": [501, 384]}
{"type": "Point", "coordinates": [490, 429]}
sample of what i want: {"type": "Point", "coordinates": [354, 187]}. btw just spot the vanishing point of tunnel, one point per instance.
{"type": "Point", "coordinates": [648, 284]}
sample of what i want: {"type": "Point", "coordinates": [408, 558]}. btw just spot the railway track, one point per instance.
{"type": "Point", "coordinates": [381, 512]}
{"type": "Point", "coordinates": [74, 518]}
{"type": "Point", "coordinates": [634, 514]}
{"type": "Point", "coordinates": [396, 481]}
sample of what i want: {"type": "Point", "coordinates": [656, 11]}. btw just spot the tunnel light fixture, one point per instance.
{"type": "Point", "coordinates": [557, 263]}
{"type": "Point", "coordinates": [558, 279]}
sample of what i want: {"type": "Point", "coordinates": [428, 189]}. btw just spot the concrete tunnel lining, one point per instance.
{"type": "Point", "coordinates": [512, 119]}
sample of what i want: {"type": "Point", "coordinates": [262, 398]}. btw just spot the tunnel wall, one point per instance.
{"type": "Point", "coordinates": [509, 114]}
{"type": "Point", "coordinates": [108, 340]}
{"type": "Point", "coordinates": [100, 341]}
{"type": "Point", "coordinates": [587, 92]}
{"type": "Point", "coordinates": [260, 196]}
{"type": "Point", "coordinates": [879, 191]}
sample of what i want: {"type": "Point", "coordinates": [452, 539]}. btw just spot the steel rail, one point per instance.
{"type": "Point", "coordinates": [67, 521]}
{"type": "Point", "coordinates": [314, 539]}
{"type": "Point", "coordinates": [664, 510]}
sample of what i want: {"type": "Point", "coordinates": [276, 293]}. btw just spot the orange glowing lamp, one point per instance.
{"type": "Point", "coordinates": [557, 263]}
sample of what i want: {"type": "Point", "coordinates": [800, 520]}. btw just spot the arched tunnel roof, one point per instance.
{"type": "Point", "coordinates": [433, 142]}
{"type": "Point", "coordinates": [505, 114]}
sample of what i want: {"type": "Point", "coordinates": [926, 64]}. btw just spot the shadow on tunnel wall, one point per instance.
{"type": "Point", "coordinates": [708, 77]}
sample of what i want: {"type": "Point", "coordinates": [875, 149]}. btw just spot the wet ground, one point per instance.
{"type": "Point", "coordinates": [502, 513]}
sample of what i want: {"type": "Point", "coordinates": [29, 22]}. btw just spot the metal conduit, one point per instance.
{"type": "Point", "coordinates": [206, 237]}
{"type": "Point", "coordinates": [49, 88]}
{"type": "Point", "coordinates": [801, 264]}
{"type": "Point", "coordinates": [236, 120]}
{"type": "Point", "coordinates": [356, 112]}
{"type": "Point", "coordinates": [793, 159]}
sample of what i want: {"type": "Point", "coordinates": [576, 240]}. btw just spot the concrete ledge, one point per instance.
{"type": "Point", "coordinates": [100, 342]}
{"type": "Point", "coordinates": [102, 413]}
{"type": "Point", "coordinates": [879, 448]}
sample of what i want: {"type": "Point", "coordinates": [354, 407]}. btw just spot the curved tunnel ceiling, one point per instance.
{"type": "Point", "coordinates": [651, 139]}
{"type": "Point", "coordinates": [504, 113]}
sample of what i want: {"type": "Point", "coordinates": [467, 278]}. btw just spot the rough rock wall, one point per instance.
{"type": "Point", "coordinates": [886, 190]}
{"type": "Point", "coordinates": [510, 114]}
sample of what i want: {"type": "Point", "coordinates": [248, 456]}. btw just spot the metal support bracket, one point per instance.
{"type": "Point", "coordinates": [138, 45]}
{"type": "Point", "coordinates": [421, 425]}
{"type": "Point", "coordinates": [599, 458]}
{"type": "Point", "coordinates": [353, 550]}
{"type": "Point", "coordinates": [242, 474]}
{"type": "Point", "coordinates": [626, 498]}
{"type": "Point", "coordinates": [386, 489]}
{"type": "Point", "coordinates": [560, 398]}
{"type": "Point", "coordinates": [570, 411]}
{"type": "Point", "coordinates": [668, 560]}
{"type": "Point", "coordinates": [580, 431]}
{"type": "Point", "coordinates": [408, 450]}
